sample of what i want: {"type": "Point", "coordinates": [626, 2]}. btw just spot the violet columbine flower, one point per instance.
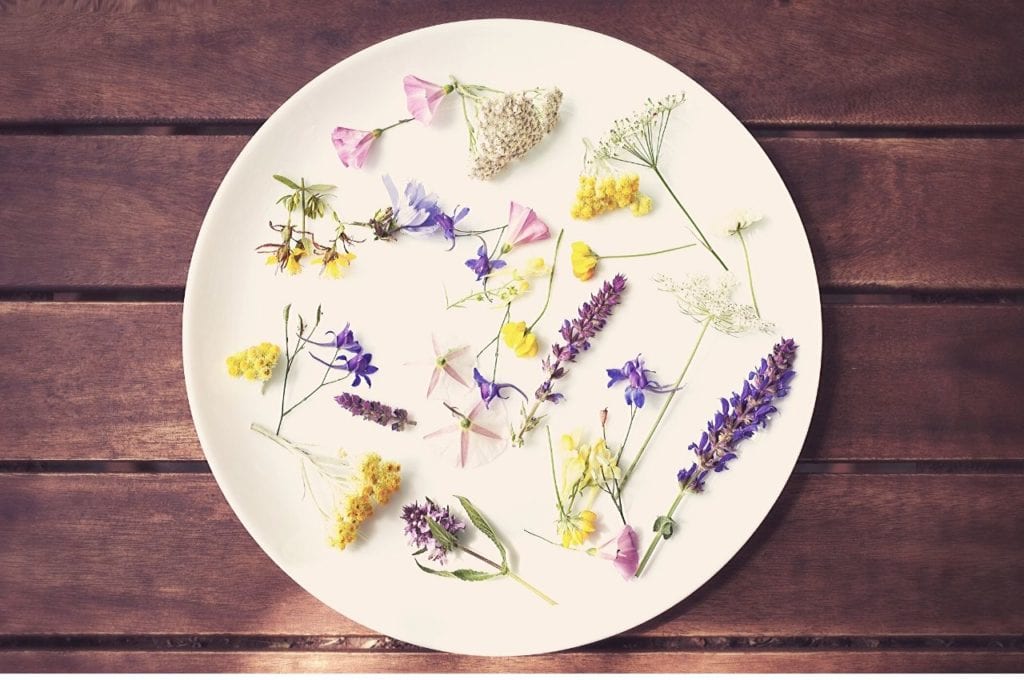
{"type": "Point", "coordinates": [447, 224]}
{"type": "Point", "coordinates": [375, 411]}
{"type": "Point", "coordinates": [638, 381]}
{"type": "Point", "coordinates": [482, 265]}
{"type": "Point", "coordinates": [741, 416]}
{"type": "Point", "coordinates": [344, 341]}
{"type": "Point", "coordinates": [415, 210]}
{"type": "Point", "coordinates": [352, 145]}
{"type": "Point", "coordinates": [418, 530]}
{"type": "Point", "coordinates": [524, 226]}
{"type": "Point", "coordinates": [490, 390]}
{"type": "Point", "coordinates": [360, 365]}
{"type": "Point", "coordinates": [423, 97]}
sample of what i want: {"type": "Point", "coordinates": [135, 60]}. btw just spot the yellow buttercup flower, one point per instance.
{"type": "Point", "coordinates": [584, 261]}
{"type": "Point", "coordinates": [575, 530]}
{"type": "Point", "coordinates": [516, 336]}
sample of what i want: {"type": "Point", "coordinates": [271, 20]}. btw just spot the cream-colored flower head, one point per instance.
{"type": "Point", "coordinates": [705, 299]}
{"type": "Point", "coordinates": [511, 124]}
{"type": "Point", "coordinates": [741, 220]}
{"type": "Point", "coordinates": [640, 134]}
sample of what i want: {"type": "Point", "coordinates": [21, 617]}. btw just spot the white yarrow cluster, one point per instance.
{"type": "Point", "coordinates": [509, 125]}
{"type": "Point", "coordinates": [631, 133]}
{"type": "Point", "coordinates": [701, 298]}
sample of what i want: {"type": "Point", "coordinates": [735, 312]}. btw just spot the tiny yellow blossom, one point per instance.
{"type": "Point", "coordinates": [516, 336]}
{"type": "Point", "coordinates": [584, 261]}
{"type": "Point", "coordinates": [641, 206]}
{"type": "Point", "coordinates": [576, 529]}
{"type": "Point", "coordinates": [255, 363]}
{"type": "Point", "coordinates": [334, 263]}
{"type": "Point", "coordinates": [596, 196]}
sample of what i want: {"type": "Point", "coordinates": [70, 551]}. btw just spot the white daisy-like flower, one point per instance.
{"type": "Point", "coordinates": [741, 220]}
{"type": "Point", "coordinates": [707, 300]}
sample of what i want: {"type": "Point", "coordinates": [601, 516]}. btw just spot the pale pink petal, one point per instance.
{"type": "Point", "coordinates": [434, 377]}
{"type": "Point", "coordinates": [524, 226]}
{"type": "Point", "coordinates": [464, 449]}
{"type": "Point", "coordinates": [627, 557]}
{"type": "Point", "coordinates": [483, 431]}
{"type": "Point", "coordinates": [443, 430]}
{"type": "Point", "coordinates": [435, 345]}
{"type": "Point", "coordinates": [422, 98]}
{"type": "Point", "coordinates": [352, 145]}
{"type": "Point", "coordinates": [455, 376]}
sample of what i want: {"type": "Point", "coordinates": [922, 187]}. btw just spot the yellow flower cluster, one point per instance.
{"type": "Point", "coordinates": [377, 481]}
{"type": "Point", "coordinates": [577, 528]}
{"type": "Point", "coordinates": [334, 262]}
{"type": "Point", "coordinates": [596, 196]}
{"type": "Point", "coordinates": [522, 341]}
{"type": "Point", "coordinates": [255, 363]}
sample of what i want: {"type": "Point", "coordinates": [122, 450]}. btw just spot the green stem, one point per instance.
{"type": "Point", "coordinates": [508, 572]}
{"type": "Point", "coordinates": [379, 131]}
{"type": "Point", "coordinates": [664, 406]}
{"type": "Point", "coordinates": [685, 212]}
{"type": "Point", "coordinates": [554, 477]}
{"type": "Point", "coordinates": [551, 280]}
{"type": "Point", "coordinates": [658, 536]}
{"type": "Point", "coordinates": [750, 274]}
{"type": "Point", "coordinates": [653, 252]}
{"type": "Point", "coordinates": [497, 345]}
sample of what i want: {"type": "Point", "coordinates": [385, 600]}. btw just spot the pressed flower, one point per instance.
{"type": "Point", "coordinates": [476, 440]}
{"type": "Point", "coordinates": [342, 341]}
{"type": "Point", "coordinates": [638, 381]}
{"type": "Point", "coordinates": [626, 554]}
{"type": "Point", "coordinates": [482, 265]}
{"type": "Point", "coordinates": [576, 529]}
{"type": "Point", "coordinates": [447, 223]}
{"type": "Point", "coordinates": [414, 210]}
{"type": "Point", "coordinates": [597, 194]}
{"type": "Point", "coordinates": [584, 261]}
{"type": "Point", "coordinates": [352, 146]}
{"type": "Point", "coordinates": [417, 527]}
{"type": "Point", "coordinates": [741, 416]}
{"type": "Point", "coordinates": [490, 390]}
{"type": "Point", "coordinates": [524, 226]}
{"type": "Point", "coordinates": [741, 222]}
{"type": "Point", "coordinates": [577, 334]}
{"type": "Point", "coordinates": [447, 364]}
{"type": "Point", "coordinates": [375, 411]}
{"type": "Point", "coordinates": [508, 126]}
{"type": "Point", "coordinates": [700, 297]}
{"type": "Point", "coordinates": [519, 339]}
{"type": "Point", "coordinates": [423, 97]}
{"type": "Point", "coordinates": [334, 262]}
{"type": "Point", "coordinates": [255, 363]}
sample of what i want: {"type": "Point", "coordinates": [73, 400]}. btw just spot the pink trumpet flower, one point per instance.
{"type": "Point", "coordinates": [626, 555]}
{"type": "Point", "coordinates": [422, 97]}
{"type": "Point", "coordinates": [489, 445]}
{"type": "Point", "coordinates": [524, 226]}
{"type": "Point", "coordinates": [353, 145]}
{"type": "Point", "coordinates": [443, 365]}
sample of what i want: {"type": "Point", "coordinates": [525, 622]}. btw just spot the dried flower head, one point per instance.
{"type": "Point", "coordinates": [417, 528]}
{"type": "Point", "coordinates": [638, 138]}
{"type": "Point", "coordinates": [508, 126]}
{"type": "Point", "coordinates": [255, 363]}
{"type": "Point", "coordinates": [703, 299]}
{"type": "Point", "coordinates": [741, 220]}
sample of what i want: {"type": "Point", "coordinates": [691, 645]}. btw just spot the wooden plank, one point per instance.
{"type": "Point", "coordinates": [937, 63]}
{"type": "Point", "coordinates": [811, 661]}
{"type": "Point", "coordinates": [904, 382]}
{"type": "Point", "coordinates": [881, 214]}
{"type": "Point", "coordinates": [839, 555]}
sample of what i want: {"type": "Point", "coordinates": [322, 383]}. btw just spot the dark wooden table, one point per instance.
{"type": "Point", "coordinates": [896, 546]}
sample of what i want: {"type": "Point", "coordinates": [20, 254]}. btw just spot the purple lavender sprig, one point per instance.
{"type": "Point", "coordinates": [577, 334]}
{"type": "Point", "coordinates": [417, 528]}
{"type": "Point", "coordinates": [375, 411]}
{"type": "Point", "coordinates": [741, 416]}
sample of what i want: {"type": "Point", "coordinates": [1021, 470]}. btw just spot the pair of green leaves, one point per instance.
{"type": "Point", "coordinates": [450, 542]}
{"type": "Point", "coordinates": [307, 197]}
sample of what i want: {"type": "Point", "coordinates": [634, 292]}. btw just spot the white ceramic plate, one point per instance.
{"type": "Point", "coordinates": [393, 298]}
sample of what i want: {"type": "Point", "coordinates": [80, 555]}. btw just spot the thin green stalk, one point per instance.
{"type": "Point", "coordinates": [653, 252]}
{"type": "Point", "coordinates": [750, 274]}
{"type": "Point", "coordinates": [658, 536]}
{"type": "Point", "coordinates": [508, 572]}
{"type": "Point", "coordinates": [551, 280]}
{"type": "Point", "coordinates": [382, 130]}
{"type": "Point", "coordinates": [704, 239]}
{"type": "Point", "coordinates": [664, 406]}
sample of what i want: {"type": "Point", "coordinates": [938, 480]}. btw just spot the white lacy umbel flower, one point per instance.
{"type": "Point", "coordinates": [509, 125]}
{"type": "Point", "coordinates": [640, 135]}
{"type": "Point", "coordinates": [741, 220]}
{"type": "Point", "coordinates": [710, 300]}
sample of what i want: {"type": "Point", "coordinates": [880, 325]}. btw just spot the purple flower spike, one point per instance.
{"type": "Point", "coordinates": [490, 390]}
{"type": "Point", "coordinates": [638, 381]}
{"type": "Point", "coordinates": [375, 411]}
{"type": "Point", "coordinates": [418, 530]}
{"type": "Point", "coordinates": [741, 416]}
{"type": "Point", "coordinates": [483, 265]}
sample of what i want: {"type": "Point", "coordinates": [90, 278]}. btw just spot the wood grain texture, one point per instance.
{"type": "Point", "coordinates": [881, 214]}
{"type": "Point", "coordinates": [589, 662]}
{"type": "Point", "coordinates": [904, 382]}
{"type": "Point", "coordinates": [839, 555]}
{"type": "Point", "coordinates": [937, 63]}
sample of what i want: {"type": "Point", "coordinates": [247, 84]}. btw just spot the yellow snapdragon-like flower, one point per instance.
{"type": "Point", "coordinates": [255, 363]}
{"type": "Point", "coordinates": [334, 263]}
{"type": "Point", "coordinates": [575, 529]}
{"type": "Point", "coordinates": [598, 195]}
{"type": "Point", "coordinates": [584, 261]}
{"type": "Point", "coordinates": [377, 482]}
{"type": "Point", "coordinates": [522, 341]}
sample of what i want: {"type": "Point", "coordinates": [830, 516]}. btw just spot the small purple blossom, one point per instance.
{"type": "Point", "coordinates": [348, 356]}
{"type": "Point", "coordinates": [447, 223]}
{"type": "Point", "coordinates": [482, 265]}
{"type": "Point", "coordinates": [741, 416]}
{"type": "Point", "coordinates": [418, 530]}
{"type": "Point", "coordinates": [415, 210]}
{"type": "Point", "coordinates": [375, 411]}
{"type": "Point", "coordinates": [490, 390]}
{"type": "Point", "coordinates": [344, 341]}
{"type": "Point", "coordinates": [638, 381]}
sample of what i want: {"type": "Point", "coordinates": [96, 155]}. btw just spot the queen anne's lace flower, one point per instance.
{"type": "Point", "coordinates": [705, 300]}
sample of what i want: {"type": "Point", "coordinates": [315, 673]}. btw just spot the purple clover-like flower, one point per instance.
{"type": "Point", "coordinates": [415, 210]}
{"type": "Point", "coordinates": [638, 381]}
{"type": "Point", "coordinates": [482, 265]}
{"type": "Point", "coordinates": [418, 530]}
{"type": "Point", "coordinates": [741, 416]}
{"type": "Point", "coordinates": [578, 333]}
{"type": "Point", "coordinates": [375, 411]}
{"type": "Point", "coordinates": [490, 390]}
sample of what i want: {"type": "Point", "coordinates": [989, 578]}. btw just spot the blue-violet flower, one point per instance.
{"type": "Point", "coordinates": [482, 265]}
{"type": "Point", "coordinates": [638, 381]}
{"type": "Point", "coordinates": [489, 390]}
{"type": "Point", "coordinates": [415, 210]}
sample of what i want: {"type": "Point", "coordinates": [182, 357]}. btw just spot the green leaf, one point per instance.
{"type": "Point", "coordinates": [418, 552]}
{"type": "Point", "coordinates": [461, 574]}
{"type": "Point", "coordinates": [665, 526]}
{"type": "Point", "coordinates": [320, 188]}
{"type": "Point", "coordinates": [480, 523]}
{"type": "Point", "coordinates": [445, 538]}
{"type": "Point", "coordinates": [287, 182]}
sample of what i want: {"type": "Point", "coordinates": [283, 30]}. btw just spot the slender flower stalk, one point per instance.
{"type": "Point", "coordinates": [740, 223]}
{"type": "Point", "coordinates": [585, 260]}
{"type": "Point", "coordinates": [577, 334]}
{"type": "Point", "coordinates": [741, 417]}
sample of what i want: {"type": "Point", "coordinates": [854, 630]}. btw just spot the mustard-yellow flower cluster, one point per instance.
{"type": "Point", "coordinates": [255, 363]}
{"type": "Point", "coordinates": [596, 196]}
{"type": "Point", "coordinates": [377, 482]}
